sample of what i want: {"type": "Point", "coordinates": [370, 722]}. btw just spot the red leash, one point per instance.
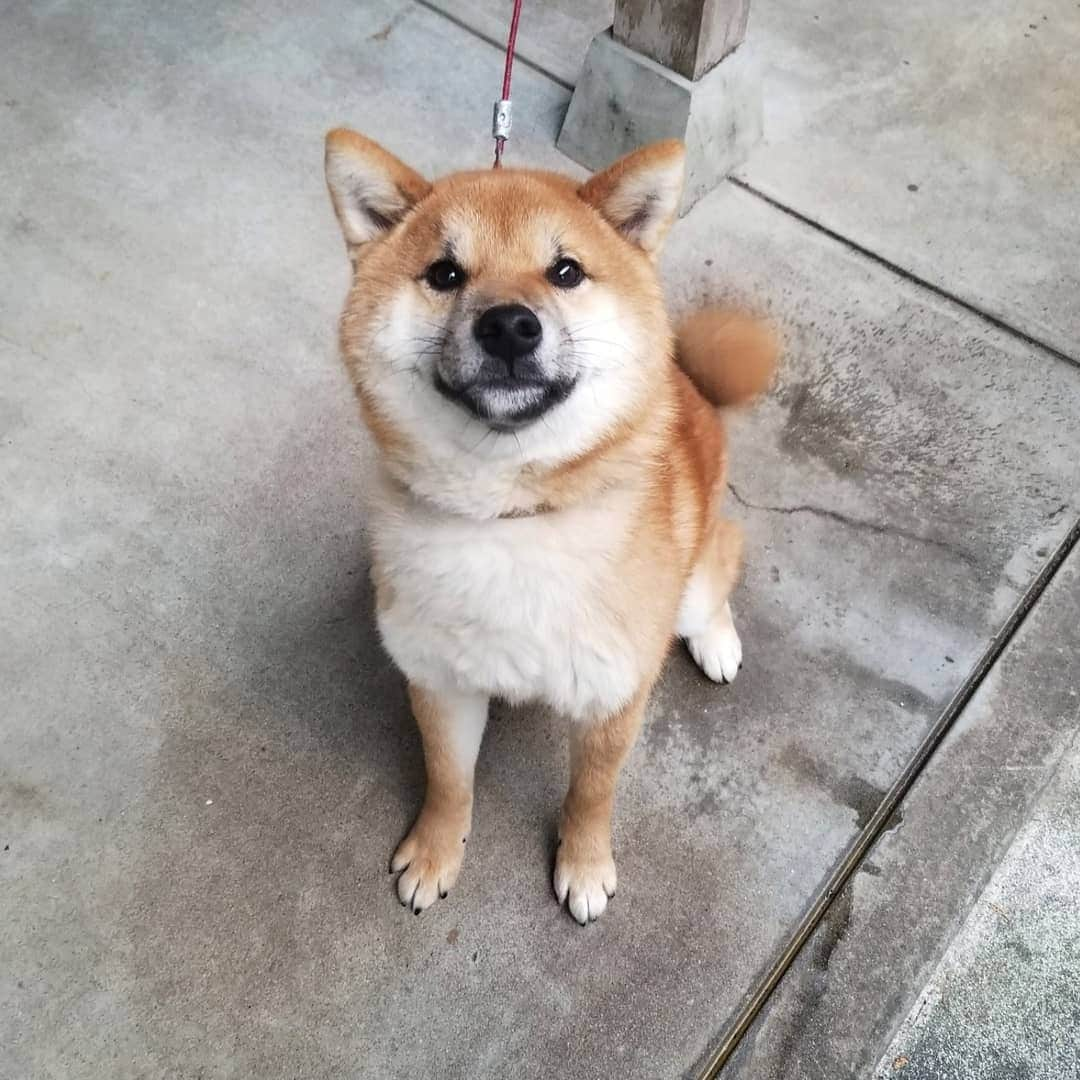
{"type": "Point", "coordinates": [503, 117]}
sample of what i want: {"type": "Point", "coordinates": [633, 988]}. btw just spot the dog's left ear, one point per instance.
{"type": "Point", "coordinates": [371, 190]}
{"type": "Point", "coordinates": [640, 193]}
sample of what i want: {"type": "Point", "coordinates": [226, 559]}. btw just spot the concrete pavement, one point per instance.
{"type": "Point", "coordinates": [206, 759]}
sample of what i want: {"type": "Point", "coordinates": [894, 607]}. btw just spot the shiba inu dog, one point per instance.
{"type": "Point", "coordinates": [551, 465]}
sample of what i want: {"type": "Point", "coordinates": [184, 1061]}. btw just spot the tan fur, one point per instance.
{"type": "Point", "coordinates": [656, 465]}
{"type": "Point", "coordinates": [431, 854]}
{"type": "Point", "coordinates": [730, 357]}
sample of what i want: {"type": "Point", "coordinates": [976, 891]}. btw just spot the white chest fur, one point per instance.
{"type": "Point", "coordinates": [524, 609]}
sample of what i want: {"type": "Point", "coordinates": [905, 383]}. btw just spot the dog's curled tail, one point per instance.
{"type": "Point", "coordinates": [729, 356]}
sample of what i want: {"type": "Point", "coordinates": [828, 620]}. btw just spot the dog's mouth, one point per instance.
{"type": "Point", "coordinates": [507, 403]}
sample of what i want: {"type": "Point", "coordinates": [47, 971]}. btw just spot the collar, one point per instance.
{"type": "Point", "coordinates": [516, 514]}
{"type": "Point", "coordinates": [527, 512]}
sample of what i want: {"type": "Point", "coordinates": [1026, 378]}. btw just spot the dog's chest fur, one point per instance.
{"type": "Point", "coordinates": [525, 608]}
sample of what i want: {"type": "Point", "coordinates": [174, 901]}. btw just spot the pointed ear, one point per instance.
{"type": "Point", "coordinates": [640, 193]}
{"type": "Point", "coordinates": [371, 190]}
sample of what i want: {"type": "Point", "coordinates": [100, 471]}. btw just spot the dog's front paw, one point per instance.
{"type": "Point", "coordinates": [717, 650]}
{"type": "Point", "coordinates": [429, 859]}
{"type": "Point", "coordinates": [584, 877]}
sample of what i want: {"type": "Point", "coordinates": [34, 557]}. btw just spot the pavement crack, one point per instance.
{"type": "Point", "coordinates": [858, 523]}
{"type": "Point", "coordinates": [900, 271]}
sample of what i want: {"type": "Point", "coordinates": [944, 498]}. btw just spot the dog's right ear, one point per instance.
{"type": "Point", "coordinates": [639, 195]}
{"type": "Point", "coordinates": [371, 190]}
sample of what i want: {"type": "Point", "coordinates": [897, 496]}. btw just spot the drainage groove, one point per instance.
{"type": "Point", "coordinates": [866, 839]}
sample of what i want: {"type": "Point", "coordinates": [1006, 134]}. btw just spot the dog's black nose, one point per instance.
{"type": "Point", "coordinates": [508, 331]}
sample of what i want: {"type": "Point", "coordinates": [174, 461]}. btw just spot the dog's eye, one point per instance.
{"type": "Point", "coordinates": [445, 275]}
{"type": "Point", "coordinates": [565, 273]}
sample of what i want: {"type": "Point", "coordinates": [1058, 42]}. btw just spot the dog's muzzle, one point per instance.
{"type": "Point", "coordinates": [509, 388]}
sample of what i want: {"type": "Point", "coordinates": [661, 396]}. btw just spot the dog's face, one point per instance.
{"type": "Point", "coordinates": [502, 312]}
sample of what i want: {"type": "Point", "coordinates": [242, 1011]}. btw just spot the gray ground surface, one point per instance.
{"type": "Point", "coordinates": [207, 759]}
{"type": "Point", "coordinates": [943, 138]}
{"type": "Point", "coordinates": [1006, 998]}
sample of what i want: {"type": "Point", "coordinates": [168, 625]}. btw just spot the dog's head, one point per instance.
{"type": "Point", "coordinates": [508, 313]}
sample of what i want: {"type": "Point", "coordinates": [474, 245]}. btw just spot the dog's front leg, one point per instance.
{"type": "Point", "coordinates": [429, 858]}
{"type": "Point", "coordinates": [584, 866]}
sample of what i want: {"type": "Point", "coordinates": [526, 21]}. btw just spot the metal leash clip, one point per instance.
{"type": "Point", "coordinates": [502, 119]}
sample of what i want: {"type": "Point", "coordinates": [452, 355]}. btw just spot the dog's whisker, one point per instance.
{"type": "Point", "coordinates": [482, 439]}
{"type": "Point", "coordinates": [589, 324]}
{"type": "Point", "coordinates": [603, 343]}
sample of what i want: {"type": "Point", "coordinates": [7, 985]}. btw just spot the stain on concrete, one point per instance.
{"type": "Point", "coordinates": [791, 1055]}
{"type": "Point", "coordinates": [383, 34]}
{"type": "Point", "coordinates": [857, 794]}
{"type": "Point", "coordinates": [19, 798]}
{"type": "Point", "coordinates": [22, 227]}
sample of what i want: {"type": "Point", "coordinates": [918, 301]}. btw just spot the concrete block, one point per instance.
{"type": "Point", "coordinates": [624, 100]}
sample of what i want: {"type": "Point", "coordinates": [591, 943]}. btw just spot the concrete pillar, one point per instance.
{"type": "Point", "coordinates": [669, 69]}
{"type": "Point", "coordinates": [688, 36]}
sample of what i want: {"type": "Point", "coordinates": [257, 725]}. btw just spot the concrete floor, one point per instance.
{"type": "Point", "coordinates": [206, 759]}
{"type": "Point", "coordinates": [976, 979]}
{"type": "Point", "coordinates": [1003, 999]}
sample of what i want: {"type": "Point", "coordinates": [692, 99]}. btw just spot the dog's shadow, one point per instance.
{"type": "Point", "coordinates": [321, 666]}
